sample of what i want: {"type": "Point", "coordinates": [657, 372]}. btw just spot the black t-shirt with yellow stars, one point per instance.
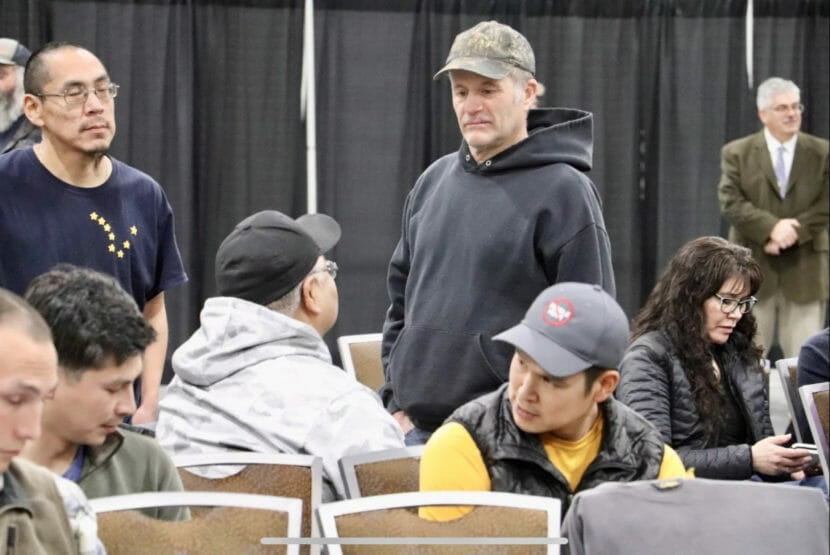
{"type": "Point", "coordinates": [123, 227]}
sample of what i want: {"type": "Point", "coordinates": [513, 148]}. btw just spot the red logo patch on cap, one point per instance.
{"type": "Point", "coordinates": [558, 312]}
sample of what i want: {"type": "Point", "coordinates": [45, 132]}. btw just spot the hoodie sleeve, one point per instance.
{"type": "Point", "coordinates": [394, 323]}
{"type": "Point", "coordinates": [570, 236]}
{"type": "Point", "coordinates": [587, 258]}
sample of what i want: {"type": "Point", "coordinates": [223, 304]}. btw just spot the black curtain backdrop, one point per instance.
{"type": "Point", "coordinates": [210, 107]}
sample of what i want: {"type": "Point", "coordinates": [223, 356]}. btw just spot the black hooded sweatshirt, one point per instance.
{"type": "Point", "coordinates": [478, 242]}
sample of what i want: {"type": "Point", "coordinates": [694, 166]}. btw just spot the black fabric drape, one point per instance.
{"type": "Point", "coordinates": [210, 107]}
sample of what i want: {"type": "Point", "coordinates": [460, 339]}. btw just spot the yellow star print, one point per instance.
{"type": "Point", "coordinates": [111, 236]}
{"type": "Point", "coordinates": [101, 221]}
{"type": "Point", "coordinates": [126, 244]}
{"type": "Point", "coordinates": [107, 227]}
{"type": "Point", "coordinates": [134, 230]}
{"type": "Point", "coordinates": [120, 254]}
{"type": "Point", "coordinates": [111, 248]}
{"type": "Point", "coordinates": [93, 216]}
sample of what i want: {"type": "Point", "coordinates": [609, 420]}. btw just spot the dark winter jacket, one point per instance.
{"type": "Point", "coordinates": [654, 383]}
{"type": "Point", "coordinates": [516, 461]}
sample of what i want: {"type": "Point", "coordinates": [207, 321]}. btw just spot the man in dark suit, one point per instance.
{"type": "Point", "coordinates": [775, 193]}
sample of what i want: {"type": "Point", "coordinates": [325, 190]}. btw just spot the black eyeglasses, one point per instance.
{"type": "Point", "coordinates": [76, 95]}
{"type": "Point", "coordinates": [330, 267]}
{"type": "Point", "coordinates": [728, 306]}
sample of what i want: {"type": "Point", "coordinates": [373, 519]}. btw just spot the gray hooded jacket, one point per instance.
{"type": "Point", "coordinates": [253, 379]}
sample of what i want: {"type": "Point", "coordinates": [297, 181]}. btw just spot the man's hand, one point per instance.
{"type": "Point", "coordinates": [771, 248]}
{"type": "Point", "coordinates": [785, 233]}
{"type": "Point", "coordinates": [403, 421]}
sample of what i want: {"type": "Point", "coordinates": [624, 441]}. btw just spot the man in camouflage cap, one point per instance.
{"type": "Point", "coordinates": [486, 229]}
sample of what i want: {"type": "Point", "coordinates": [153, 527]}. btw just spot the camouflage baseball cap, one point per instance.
{"type": "Point", "coordinates": [490, 49]}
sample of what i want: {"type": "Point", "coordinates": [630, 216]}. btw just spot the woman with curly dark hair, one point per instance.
{"type": "Point", "coordinates": [694, 372]}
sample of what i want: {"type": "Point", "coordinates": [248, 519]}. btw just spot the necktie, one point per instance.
{"type": "Point", "coordinates": [781, 171]}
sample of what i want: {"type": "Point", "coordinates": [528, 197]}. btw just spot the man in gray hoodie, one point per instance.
{"type": "Point", "coordinates": [257, 376]}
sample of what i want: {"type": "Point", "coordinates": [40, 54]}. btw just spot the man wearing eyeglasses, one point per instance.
{"type": "Point", "coordinates": [775, 193]}
{"type": "Point", "coordinates": [257, 376]}
{"type": "Point", "coordinates": [66, 200]}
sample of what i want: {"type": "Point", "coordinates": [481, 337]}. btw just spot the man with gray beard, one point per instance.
{"type": "Point", "coordinates": [16, 131]}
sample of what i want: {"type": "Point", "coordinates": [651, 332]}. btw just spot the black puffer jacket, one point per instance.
{"type": "Point", "coordinates": [516, 461]}
{"type": "Point", "coordinates": [653, 383]}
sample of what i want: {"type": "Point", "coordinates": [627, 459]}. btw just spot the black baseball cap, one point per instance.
{"type": "Point", "coordinates": [268, 254]}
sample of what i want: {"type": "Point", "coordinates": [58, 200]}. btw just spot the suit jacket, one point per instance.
{"type": "Point", "coordinates": [750, 201]}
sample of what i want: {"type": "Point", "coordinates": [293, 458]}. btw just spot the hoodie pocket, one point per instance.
{"type": "Point", "coordinates": [435, 371]}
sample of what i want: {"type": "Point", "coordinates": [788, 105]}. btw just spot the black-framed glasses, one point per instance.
{"type": "Point", "coordinates": [330, 267]}
{"type": "Point", "coordinates": [76, 95]}
{"type": "Point", "coordinates": [728, 306]}
{"type": "Point", "coordinates": [782, 108]}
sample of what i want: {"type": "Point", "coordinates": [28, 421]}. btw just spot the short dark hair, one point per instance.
{"type": "Point", "coordinates": [14, 310]}
{"type": "Point", "coordinates": [592, 374]}
{"type": "Point", "coordinates": [92, 318]}
{"type": "Point", "coordinates": [36, 74]}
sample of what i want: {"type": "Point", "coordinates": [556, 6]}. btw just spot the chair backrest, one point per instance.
{"type": "Point", "coordinates": [494, 514]}
{"type": "Point", "coordinates": [360, 355]}
{"type": "Point", "coordinates": [236, 524]}
{"type": "Point", "coordinates": [816, 400]}
{"type": "Point", "coordinates": [696, 516]}
{"type": "Point", "coordinates": [380, 472]}
{"type": "Point", "coordinates": [280, 474]}
{"type": "Point", "coordinates": [787, 370]}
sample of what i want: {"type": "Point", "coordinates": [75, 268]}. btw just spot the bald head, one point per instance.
{"type": "Point", "coordinates": [17, 313]}
{"type": "Point", "coordinates": [37, 72]}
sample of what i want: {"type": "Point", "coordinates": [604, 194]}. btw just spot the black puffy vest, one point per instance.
{"type": "Point", "coordinates": [631, 449]}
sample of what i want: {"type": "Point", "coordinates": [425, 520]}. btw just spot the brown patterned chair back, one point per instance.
{"type": "Point", "coordinates": [301, 481]}
{"type": "Point", "coordinates": [218, 530]}
{"type": "Point", "coordinates": [481, 521]}
{"type": "Point", "coordinates": [493, 515]}
{"type": "Point", "coordinates": [360, 355]}
{"type": "Point", "coordinates": [236, 523]}
{"type": "Point", "coordinates": [381, 472]}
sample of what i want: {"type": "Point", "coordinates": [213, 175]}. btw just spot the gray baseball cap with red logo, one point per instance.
{"type": "Point", "coordinates": [571, 327]}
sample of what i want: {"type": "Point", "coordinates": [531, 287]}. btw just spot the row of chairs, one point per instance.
{"type": "Point", "coordinates": [283, 500]}
{"type": "Point", "coordinates": [288, 476]}
{"type": "Point", "coordinates": [225, 522]}
{"type": "Point", "coordinates": [678, 516]}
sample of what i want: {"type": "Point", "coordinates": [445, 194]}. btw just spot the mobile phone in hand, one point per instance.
{"type": "Point", "coordinates": [808, 447]}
